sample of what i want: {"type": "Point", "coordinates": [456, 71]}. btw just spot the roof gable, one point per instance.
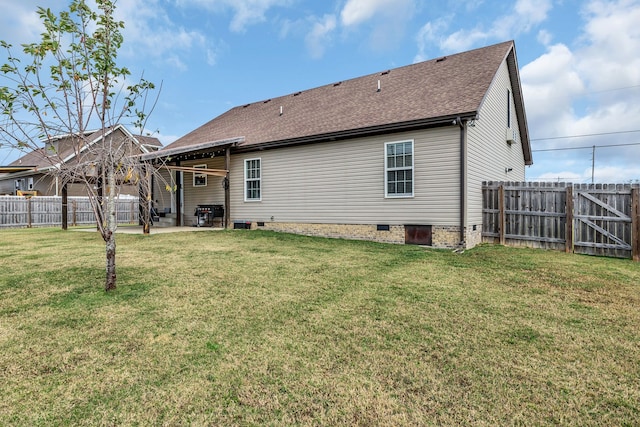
{"type": "Point", "coordinates": [40, 159]}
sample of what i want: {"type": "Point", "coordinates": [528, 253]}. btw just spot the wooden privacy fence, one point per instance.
{"type": "Point", "coordinates": [17, 211]}
{"type": "Point", "coordinates": [593, 219]}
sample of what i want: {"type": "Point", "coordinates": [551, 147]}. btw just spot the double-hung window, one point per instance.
{"type": "Point", "coordinates": [252, 180]}
{"type": "Point", "coordinates": [398, 169]}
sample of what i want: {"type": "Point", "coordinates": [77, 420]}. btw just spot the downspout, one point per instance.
{"type": "Point", "coordinates": [463, 179]}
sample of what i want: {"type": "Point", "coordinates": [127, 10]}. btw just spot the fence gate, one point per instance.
{"type": "Point", "coordinates": [602, 223]}
{"type": "Point", "coordinates": [592, 219]}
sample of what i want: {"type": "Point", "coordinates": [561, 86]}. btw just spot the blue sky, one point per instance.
{"type": "Point", "coordinates": [579, 61]}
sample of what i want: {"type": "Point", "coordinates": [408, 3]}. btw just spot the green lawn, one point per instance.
{"type": "Point", "coordinates": [257, 328]}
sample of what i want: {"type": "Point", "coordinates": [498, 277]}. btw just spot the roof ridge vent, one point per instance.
{"type": "Point", "coordinates": [441, 59]}
{"type": "Point", "coordinates": [337, 84]}
{"type": "Point", "coordinates": [268, 100]}
{"type": "Point", "coordinates": [384, 73]}
{"type": "Point", "coordinates": [246, 105]}
{"type": "Point", "coordinates": [297, 93]}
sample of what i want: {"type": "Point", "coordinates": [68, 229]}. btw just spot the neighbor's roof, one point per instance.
{"type": "Point", "coordinates": [39, 159]}
{"type": "Point", "coordinates": [425, 93]}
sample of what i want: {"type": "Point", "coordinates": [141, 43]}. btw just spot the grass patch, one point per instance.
{"type": "Point", "coordinates": [261, 328]}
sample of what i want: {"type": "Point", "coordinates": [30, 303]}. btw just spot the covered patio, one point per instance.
{"type": "Point", "coordinates": [198, 203]}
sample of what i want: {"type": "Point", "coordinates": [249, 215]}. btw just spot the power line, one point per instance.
{"type": "Point", "coordinates": [613, 89]}
{"type": "Point", "coordinates": [589, 134]}
{"type": "Point", "coordinates": [587, 147]}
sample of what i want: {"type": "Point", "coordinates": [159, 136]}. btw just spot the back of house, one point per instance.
{"type": "Point", "coordinates": [395, 156]}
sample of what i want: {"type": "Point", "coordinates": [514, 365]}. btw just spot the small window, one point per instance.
{"type": "Point", "coordinates": [252, 180]}
{"type": "Point", "coordinates": [200, 179]}
{"type": "Point", "coordinates": [398, 169]}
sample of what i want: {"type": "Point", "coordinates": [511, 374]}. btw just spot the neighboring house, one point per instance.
{"type": "Point", "coordinates": [33, 172]}
{"type": "Point", "coordinates": [396, 156]}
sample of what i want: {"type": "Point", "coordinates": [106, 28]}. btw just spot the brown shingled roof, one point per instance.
{"type": "Point", "coordinates": [425, 92]}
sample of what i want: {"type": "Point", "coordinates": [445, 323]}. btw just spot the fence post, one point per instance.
{"type": "Point", "coordinates": [568, 243]}
{"type": "Point", "coordinates": [74, 208]}
{"type": "Point", "coordinates": [29, 212]}
{"type": "Point", "coordinates": [501, 214]}
{"type": "Point", "coordinates": [635, 224]}
{"type": "Point", "coordinates": [65, 207]}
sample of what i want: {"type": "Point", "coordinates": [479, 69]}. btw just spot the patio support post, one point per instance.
{"type": "Point", "coordinates": [178, 196]}
{"type": "Point", "coordinates": [145, 200]}
{"type": "Point", "coordinates": [227, 194]}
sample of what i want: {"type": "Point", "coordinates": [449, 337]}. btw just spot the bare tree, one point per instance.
{"type": "Point", "coordinates": [65, 99]}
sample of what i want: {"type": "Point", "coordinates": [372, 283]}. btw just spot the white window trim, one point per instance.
{"type": "Point", "coordinates": [200, 175]}
{"type": "Point", "coordinates": [244, 189]}
{"type": "Point", "coordinates": [386, 169]}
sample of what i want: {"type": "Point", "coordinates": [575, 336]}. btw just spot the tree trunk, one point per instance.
{"type": "Point", "coordinates": [110, 283]}
{"type": "Point", "coordinates": [110, 232]}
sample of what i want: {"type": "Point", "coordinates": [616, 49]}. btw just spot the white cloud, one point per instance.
{"type": "Point", "coordinates": [524, 15]}
{"type": "Point", "coordinates": [561, 176]}
{"type": "Point", "coordinates": [358, 11]}
{"type": "Point", "coordinates": [529, 13]}
{"type": "Point", "coordinates": [19, 21]}
{"type": "Point", "coordinates": [245, 12]}
{"type": "Point", "coordinates": [550, 83]}
{"type": "Point", "coordinates": [610, 52]}
{"type": "Point", "coordinates": [545, 37]}
{"type": "Point", "coordinates": [427, 34]}
{"type": "Point", "coordinates": [150, 32]}
{"type": "Point", "coordinates": [387, 20]}
{"type": "Point", "coordinates": [320, 35]}
{"type": "Point", "coordinates": [592, 89]}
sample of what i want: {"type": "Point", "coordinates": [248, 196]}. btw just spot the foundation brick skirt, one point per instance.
{"type": "Point", "coordinates": [444, 237]}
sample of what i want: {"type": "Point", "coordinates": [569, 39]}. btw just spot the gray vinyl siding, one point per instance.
{"type": "Point", "coordinates": [343, 182]}
{"type": "Point", "coordinates": [212, 194]}
{"type": "Point", "coordinates": [164, 197]}
{"type": "Point", "coordinates": [7, 186]}
{"type": "Point", "coordinates": [43, 184]}
{"type": "Point", "coordinates": [488, 154]}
